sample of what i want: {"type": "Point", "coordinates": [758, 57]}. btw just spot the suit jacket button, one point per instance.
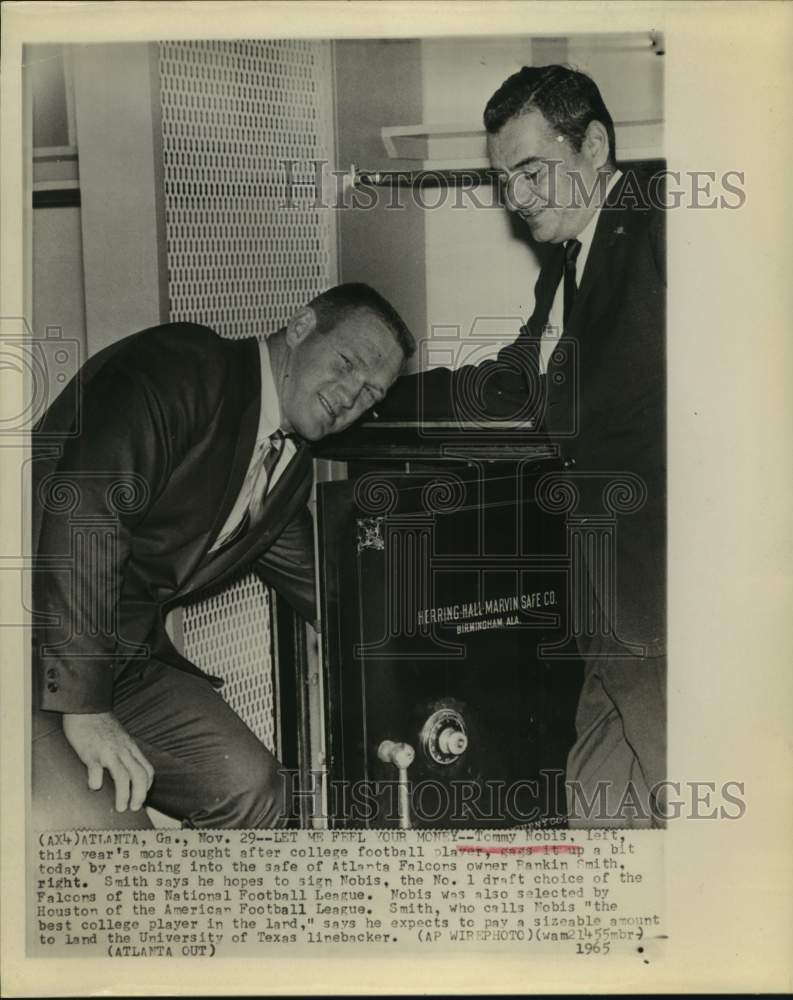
{"type": "Point", "coordinates": [51, 674]}
{"type": "Point", "coordinates": [52, 687]}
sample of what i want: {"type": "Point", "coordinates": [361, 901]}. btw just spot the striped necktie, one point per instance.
{"type": "Point", "coordinates": [264, 478]}
{"type": "Point", "coordinates": [261, 485]}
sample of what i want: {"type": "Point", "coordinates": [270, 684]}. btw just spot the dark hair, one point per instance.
{"type": "Point", "coordinates": [567, 99]}
{"type": "Point", "coordinates": [333, 305]}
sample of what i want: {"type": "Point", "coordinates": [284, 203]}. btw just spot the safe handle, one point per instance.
{"type": "Point", "coordinates": [401, 755]}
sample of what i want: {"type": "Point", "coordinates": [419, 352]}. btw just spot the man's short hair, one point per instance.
{"type": "Point", "coordinates": [332, 306]}
{"type": "Point", "coordinates": [567, 99]}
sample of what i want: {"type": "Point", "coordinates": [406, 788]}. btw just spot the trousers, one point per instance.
{"type": "Point", "coordinates": [616, 767]}
{"type": "Point", "coordinates": [210, 770]}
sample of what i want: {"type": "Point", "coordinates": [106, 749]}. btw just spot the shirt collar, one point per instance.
{"type": "Point", "coordinates": [270, 410]}
{"type": "Point", "coordinates": [587, 234]}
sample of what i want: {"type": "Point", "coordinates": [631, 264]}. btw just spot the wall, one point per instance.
{"type": "Point", "coordinates": [630, 77]}
{"type": "Point", "coordinates": [118, 138]}
{"type": "Point", "coordinates": [58, 299]}
{"type": "Point", "coordinates": [98, 257]}
{"type": "Point", "coordinates": [51, 96]}
{"type": "Point", "coordinates": [58, 287]}
{"type": "Point", "coordinates": [243, 122]}
{"type": "Point", "coordinates": [480, 268]}
{"type": "Point", "coordinates": [378, 83]}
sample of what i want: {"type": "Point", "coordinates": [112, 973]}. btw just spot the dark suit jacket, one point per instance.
{"type": "Point", "coordinates": [602, 402]}
{"type": "Point", "coordinates": [127, 505]}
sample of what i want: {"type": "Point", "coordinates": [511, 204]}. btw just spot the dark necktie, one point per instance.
{"type": "Point", "coordinates": [560, 265]}
{"type": "Point", "coordinates": [572, 248]}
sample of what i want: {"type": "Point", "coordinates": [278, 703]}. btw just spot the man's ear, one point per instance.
{"type": "Point", "coordinates": [302, 324]}
{"type": "Point", "coordinates": [596, 144]}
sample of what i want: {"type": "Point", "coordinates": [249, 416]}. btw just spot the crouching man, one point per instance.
{"type": "Point", "coordinates": [186, 464]}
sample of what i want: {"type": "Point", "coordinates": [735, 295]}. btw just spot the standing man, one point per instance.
{"type": "Point", "coordinates": [592, 358]}
{"type": "Point", "coordinates": [602, 288]}
{"type": "Point", "coordinates": [187, 465]}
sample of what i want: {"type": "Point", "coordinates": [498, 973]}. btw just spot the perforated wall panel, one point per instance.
{"type": "Point", "coordinates": [244, 124]}
{"type": "Point", "coordinates": [229, 635]}
{"type": "Point", "coordinates": [248, 242]}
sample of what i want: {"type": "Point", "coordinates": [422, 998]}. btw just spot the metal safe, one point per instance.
{"type": "Point", "coordinates": [450, 686]}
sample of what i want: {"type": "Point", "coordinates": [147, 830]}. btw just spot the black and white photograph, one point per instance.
{"type": "Point", "coordinates": [291, 567]}
{"type": "Point", "coordinates": [349, 431]}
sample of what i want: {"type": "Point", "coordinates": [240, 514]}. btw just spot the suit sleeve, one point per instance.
{"type": "Point", "coordinates": [288, 565]}
{"type": "Point", "coordinates": [499, 389]}
{"type": "Point", "coordinates": [102, 487]}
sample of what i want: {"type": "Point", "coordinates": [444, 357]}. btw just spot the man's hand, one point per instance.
{"type": "Point", "coordinates": [100, 741]}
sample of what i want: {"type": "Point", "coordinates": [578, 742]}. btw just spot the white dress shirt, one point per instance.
{"type": "Point", "coordinates": [269, 423]}
{"type": "Point", "coordinates": [553, 329]}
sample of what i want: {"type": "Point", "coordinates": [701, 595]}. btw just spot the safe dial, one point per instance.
{"type": "Point", "coordinates": [443, 736]}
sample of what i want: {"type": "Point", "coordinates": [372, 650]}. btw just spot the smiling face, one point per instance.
{"type": "Point", "coordinates": [547, 181]}
{"type": "Point", "coordinates": [331, 379]}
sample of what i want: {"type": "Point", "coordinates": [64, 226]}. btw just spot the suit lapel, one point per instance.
{"type": "Point", "coordinates": [600, 284]}
{"type": "Point", "coordinates": [239, 425]}
{"type": "Point", "coordinates": [612, 240]}
{"type": "Point", "coordinates": [235, 433]}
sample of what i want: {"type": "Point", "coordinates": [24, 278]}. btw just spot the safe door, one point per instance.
{"type": "Point", "coordinates": [443, 606]}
